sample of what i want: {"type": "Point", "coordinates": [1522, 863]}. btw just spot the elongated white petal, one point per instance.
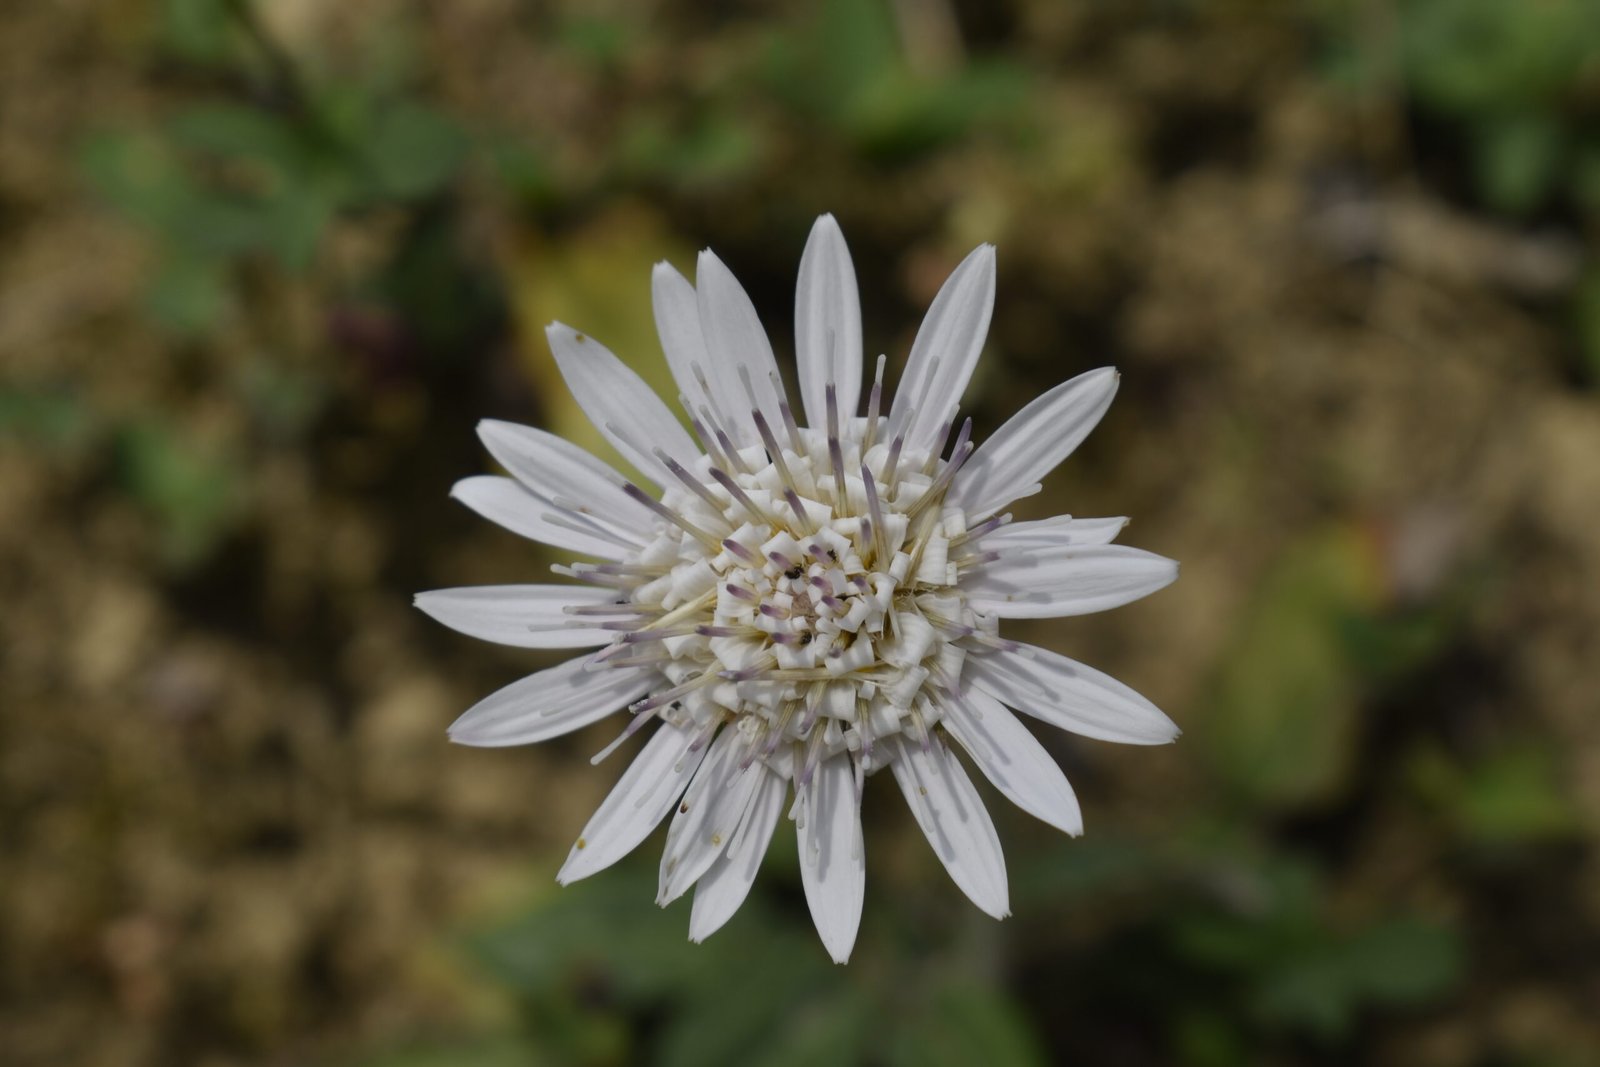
{"type": "Point", "coordinates": [1063, 531]}
{"type": "Point", "coordinates": [1013, 759]}
{"type": "Point", "coordinates": [548, 704]}
{"type": "Point", "coordinates": [711, 811]}
{"type": "Point", "coordinates": [1032, 443]}
{"type": "Point", "coordinates": [646, 792]}
{"type": "Point", "coordinates": [724, 886]}
{"type": "Point", "coordinates": [739, 350]}
{"type": "Point", "coordinates": [1048, 583]}
{"type": "Point", "coordinates": [833, 866]}
{"type": "Point", "coordinates": [677, 311]}
{"type": "Point", "coordinates": [504, 502]}
{"type": "Point", "coordinates": [955, 821]}
{"type": "Point", "coordinates": [626, 410]}
{"type": "Point", "coordinates": [1069, 695]}
{"type": "Point", "coordinates": [557, 470]}
{"type": "Point", "coordinates": [827, 324]}
{"type": "Point", "coordinates": [527, 616]}
{"type": "Point", "coordinates": [946, 350]}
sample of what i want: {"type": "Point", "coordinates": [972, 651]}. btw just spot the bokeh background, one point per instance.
{"type": "Point", "coordinates": [264, 263]}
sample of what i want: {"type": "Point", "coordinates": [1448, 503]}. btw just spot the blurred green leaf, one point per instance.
{"type": "Point", "coordinates": [411, 150]}
{"type": "Point", "coordinates": [1326, 979]}
{"type": "Point", "coordinates": [1477, 56]}
{"type": "Point", "coordinates": [1300, 972]}
{"type": "Point", "coordinates": [191, 492]}
{"type": "Point", "coordinates": [1518, 160]}
{"type": "Point", "coordinates": [1513, 794]}
{"type": "Point", "coordinates": [137, 175]}
{"type": "Point", "coordinates": [53, 419]}
{"type": "Point", "coordinates": [965, 1022]}
{"type": "Point", "coordinates": [235, 131]}
{"type": "Point", "coordinates": [1283, 719]}
{"type": "Point", "coordinates": [197, 30]}
{"type": "Point", "coordinates": [188, 294]}
{"type": "Point", "coordinates": [1586, 311]}
{"type": "Point", "coordinates": [494, 1052]}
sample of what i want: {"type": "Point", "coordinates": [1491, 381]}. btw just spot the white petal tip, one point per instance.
{"type": "Point", "coordinates": [840, 953]}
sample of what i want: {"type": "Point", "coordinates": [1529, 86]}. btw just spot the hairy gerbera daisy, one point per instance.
{"type": "Point", "coordinates": [800, 607]}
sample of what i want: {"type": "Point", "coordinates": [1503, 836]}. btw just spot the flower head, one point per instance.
{"type": "Point", "coordinates": [801, 606]}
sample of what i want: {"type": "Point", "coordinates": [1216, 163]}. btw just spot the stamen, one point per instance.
{"type": "Point", "coordinates": [627, 732]}
{"type": "Point", "coordinates": [708, 443]}
{"type": "Point", "coordinates": [835, 452]}
{"type": "Point", "coordinates": [891, 466]}
{"type": "Point", "coordinates": [873, 402]}
{"type": "Point", "coordinates": [775, 452]}
{"type": "Point", "coordinates": [880, 545]}
{"type": "Point", "coordinates": [734, 459]}
{"type": "Point", "coordinates": [798, 506]}
{"type": "Point", "coordinates": [646, 570]}
{"type": "Point", "coordinates": [739, 551]}
{"type": "Point", "coordinates": [730, 631]}
{"type": "Point", "coordinates": [610, 581]}
{"type": "Point", "coordinates": [586, 524]}
{"type": "Point", "coordinates": [788, 418]}
{"type": "Point", "coordinates": [706, 539]}
{"type": "Point", "coordinates": [650, 659]}
{"type": "Point", "coordinates": [693, 484]}
{"type": "Point", "coordinates": [611, 609]}
{"type": "Point", "coordinates": [714, 417]}
{"type": "Point", "coordinates": [757, 512]}
{"type": "Point", "coordinates": [667, 696]}
{"type": "Point", "coordinates": [986, 527]}
{"type": "Point", "coordinates": [936, 489]}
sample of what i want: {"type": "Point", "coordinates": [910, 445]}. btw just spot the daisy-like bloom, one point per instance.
{"type": "Point", "coordinates": [800, 607]}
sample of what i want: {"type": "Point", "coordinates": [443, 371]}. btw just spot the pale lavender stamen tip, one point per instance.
{"type": "Point", "coordinates": [736, 549]}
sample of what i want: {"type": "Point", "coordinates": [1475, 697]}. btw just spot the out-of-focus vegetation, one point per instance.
{"type": "Point", "coordinates": [264, 264]}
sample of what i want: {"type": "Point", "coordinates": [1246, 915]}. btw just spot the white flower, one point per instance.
{"type": "Point", "coordinates": [801, 607]}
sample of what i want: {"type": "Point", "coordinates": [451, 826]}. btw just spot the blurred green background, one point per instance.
{"type": "Point", "coordinates": [264, 263]}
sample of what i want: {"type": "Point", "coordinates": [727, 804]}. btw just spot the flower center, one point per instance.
{"type": "Point", "coordinates": [805, 593]}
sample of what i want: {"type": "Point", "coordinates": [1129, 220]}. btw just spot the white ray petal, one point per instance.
{"type": "Point", "coordinates": [504, 502]}
{"type": "Point", "coordinates": [527, 616]}
{"type": "Point", "coordinates": [945, 351]}
{"type": "Point", "coordinates": [556, 469]}
{"type": "Point", "coordinates": [677, 311]}
{"type": "Point", "coordinates": [720, 891]}
{"type": "Point", "coordinates": [1032, 443]}
{"type": "Point", "coordinates": [625, 409]}
{"type": "Point", "coordinates": [827, 324]}
{"type": "Point", "coordinates": [1013, 759]}
{"type": "Point", "coordinates": [739, 348]}
{"type": "Point", "coordinates": [1047, 583]}
{"type": "Point", "coordinates": [955, 821]}
{"type": "Point", "coordinates": [833, 866]}
{"type": "Point", "coordinates": [1069, 695]}
{"type": "Point", "coordinates": [1062, 531]}
{"type": "Point", "coordinates": [548, 704]}
{"type": "Point", "coordinates": [711, 811]}
{"type": "Point", "coordinates": [646, 792]}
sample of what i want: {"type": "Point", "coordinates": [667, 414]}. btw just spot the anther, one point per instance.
{"type": "Point", "coordinates": [671, 516]}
